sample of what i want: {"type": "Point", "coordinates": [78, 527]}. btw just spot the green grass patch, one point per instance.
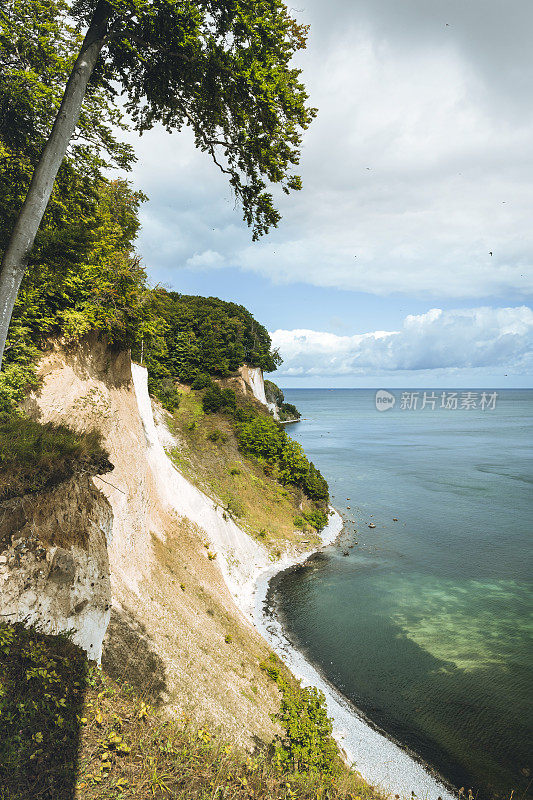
{"type": "Point", "coordinates": [34, 456]}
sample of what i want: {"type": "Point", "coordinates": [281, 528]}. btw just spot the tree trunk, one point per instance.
{"type": "Point", "coordinates": [23, 236]}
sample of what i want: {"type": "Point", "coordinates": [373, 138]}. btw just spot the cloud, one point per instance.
{"type": "Point", "coordinates": [477, 338]}
{"type": "Point", "coordinates": [416, 168]}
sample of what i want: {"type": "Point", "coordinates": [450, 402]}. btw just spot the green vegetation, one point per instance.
{"type": "Point", "coordinates": [306, 744]}
{"type": "Point", "coordinates": [33, 456]}
{"type": "Point", "coordinates": [288, 411]}
{"type": "Point", "coordinates": [105, 290]}
{"type": "Point", "coordinates": [223, 70]}
{"type": "Point", "coordinates": [317, 518]}
{"type": "Point", "coordinates": [42, 689]}
{"type": "Point", "coordinates": [216, 399]}
{"type": "Point", "coordinates": [68, 731]}
{"type": "Point", "coordinates": [246, 486]}
{"type": "Point", "coordinates": [275, 395]}
{"type": "Point", "coordinates": [83, 274]}
{"type": "Point", "coordinates": [261, 436]}
{"type": "Point", "coordinates": [206, 336]}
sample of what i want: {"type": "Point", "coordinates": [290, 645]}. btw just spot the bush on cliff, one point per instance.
{"type": "Point", "coordinates": [306, 744]}
{"type": "Point", "coordinates": [217, 399]}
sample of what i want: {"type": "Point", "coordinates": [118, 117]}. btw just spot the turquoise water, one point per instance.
{"type": "Point", "coordinates": [425, 623]}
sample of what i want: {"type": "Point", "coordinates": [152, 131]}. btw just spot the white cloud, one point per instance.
{"type": "Point", "coordinates": [208, 258]}
{"type": "Point", "coordinates": [477, 338]}
{"type": "Point", "coordinates": [444, 129]}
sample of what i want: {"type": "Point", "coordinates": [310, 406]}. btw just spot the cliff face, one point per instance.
{"type": "Point", "coordinates": [252, 378]}
{"type": "Point", "coordinates": [54, 566]}
{"type": "Point", "coordinates": [174, 629]}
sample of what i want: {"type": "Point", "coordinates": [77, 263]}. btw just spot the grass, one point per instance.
{"type": "Point", "coordinates": [209, 456]}
{"type": "Point", "coordinates": [35, 456]}
{"type": "Point", "coordinates": [105, 741]}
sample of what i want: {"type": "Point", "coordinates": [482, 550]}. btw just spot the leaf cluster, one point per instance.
{"type": "Point", "coordinates": [224, 70]}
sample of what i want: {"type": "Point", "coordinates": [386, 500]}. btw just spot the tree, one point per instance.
{"type": "Point", "coordinates": [220, 66]}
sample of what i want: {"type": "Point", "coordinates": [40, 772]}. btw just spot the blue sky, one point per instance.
{"type": "Point", "coordinates": [417, 168]}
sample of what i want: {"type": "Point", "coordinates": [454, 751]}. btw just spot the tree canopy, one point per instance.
{"type": "Point", "coordinates": [222, 68]}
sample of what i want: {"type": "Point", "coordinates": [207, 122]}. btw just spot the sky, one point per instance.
{"type": "Point", "coordinates": [406, 258]}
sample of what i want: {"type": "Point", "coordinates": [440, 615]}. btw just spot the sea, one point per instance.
{"type": "Point", "coordinates": [420, 614]}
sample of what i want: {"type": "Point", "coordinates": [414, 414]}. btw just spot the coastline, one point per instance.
{"type": "Point", "coordinates": [247, 572]}
{"type": "Point", "coordinates": [381, 762]}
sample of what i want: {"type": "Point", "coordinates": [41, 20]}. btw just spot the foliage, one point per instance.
{"type": "Point", "coordinates": [202, 381]}
{"type": "Point", "coordinates": [33, 456]}
{"type": "Point", "coordinates": [223, 69]}
{"type": "Point", "coordinates": [261, 436]}
{"type": "Point", "coordinates": [205, 336]}
{"type": "Point", "coordinates": [315, 485]}
{"type": "Point", "coordinates": [38, 44]}
{"type": "Point", "coordinates": [98, 287]}
{"type": "Point", "coordinates": [168, 395]}
{"type": "Point", "coordinates": [42, 688]}
{"type": "Point", "coordinates": [216, 399]}
{"type": "Point", "coordinates": [317, 518]}
{"type": "Point", "coordinates": [293, 462]}
{"type": "Point", "coordinates": [95, 738]}
{"type": "Point", "coordinates": [288, 411]}
{"type": "Point", "coordinates": [306, 744]}
{"type": "Point", "coordinates": [83, 272]}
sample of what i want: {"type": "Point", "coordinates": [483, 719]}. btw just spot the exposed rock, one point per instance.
{"type": "Point", "coordinates": [55, 567]}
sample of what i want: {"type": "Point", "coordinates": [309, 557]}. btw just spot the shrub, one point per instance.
{"type": "Point", "coordinates": [212, 400]}
{"type": "Point", "coordinates": [299, 522]}
{"type": "Point", "coordinates": [293, 462]}
{"type": "Point", "coordinates": [265, 439]}
{"type": "Point", "coordinates": [307, 744]}
{"type": "Point", "coordinates": [244, 413]}
{"type": "Point", "coordinates": [201, 381]}
{"type": "Point", "coordinates": [315, 485]}
{"type": "Point", "coordinates": [217, 399]}
{"type": "Point", "coordinates": [230, 401]}
{"type": "Point", "coordinates": [318, 518]}
{"type": "Point", "coordinates": [168, 395]}
{"type": "Point", "coordinates": [262, 436]}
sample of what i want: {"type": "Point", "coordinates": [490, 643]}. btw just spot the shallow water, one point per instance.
{"type": "Point", "coordinates": [425, 623]}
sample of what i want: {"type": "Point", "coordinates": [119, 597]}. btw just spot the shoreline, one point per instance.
{"type": "Point", "coordinates": [383, 763]}
{"type": "Point", "coordinates": [247, 571]}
